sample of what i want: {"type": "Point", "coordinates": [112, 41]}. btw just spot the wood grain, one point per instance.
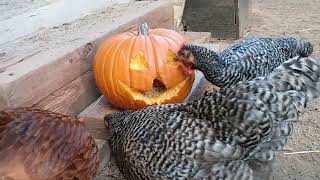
{"type": "Point", "coordinates": [72, 98]}
{"type": "Point", "coordinates": [103, 153]}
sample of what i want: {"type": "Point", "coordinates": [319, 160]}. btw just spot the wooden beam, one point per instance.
{"type": "Point", "coordinates": [94, 115]}
{"type": "Point", "coordinates": [72, 98]}
{"type": "Point", "coordinates": [104, 152]}
{"type": "Point", "coordinates": [35, 66]}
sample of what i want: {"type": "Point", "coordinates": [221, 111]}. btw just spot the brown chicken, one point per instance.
{"type": "Point", "coordinates": [41, 145]}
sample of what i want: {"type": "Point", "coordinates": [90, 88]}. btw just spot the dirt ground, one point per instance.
{"type": "Point", "coordinates": [301, 19]}
{"type": "Point", "coordinates": [273, 18]}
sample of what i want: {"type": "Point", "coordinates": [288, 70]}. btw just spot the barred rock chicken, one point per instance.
{"type": "Point", "coordinates": [41, 145]}
{"type": "Point", "coordinates": [243, 61]}
{"type": "Point", "coordinates": [217, 136]}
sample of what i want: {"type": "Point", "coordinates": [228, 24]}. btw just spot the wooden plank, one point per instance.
{"type": "Point", "coordinates": [95, 113]}
{"type": "Point", "coordinates": [35, 66]}
{"type": "Point", "coordinates": [104, 152]}
{"type": "Point", "coordinates": [72, 98]}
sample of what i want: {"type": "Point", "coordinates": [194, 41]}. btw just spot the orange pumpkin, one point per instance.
{"type": "Point", "coordinates": [135, 70]}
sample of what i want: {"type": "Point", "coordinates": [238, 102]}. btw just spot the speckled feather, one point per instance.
{"type": "Point", "coordinates": [247, 59]}
{"type": "Point", "coordinates": [216, 136]}
{"type": "Point", "coordinates": [41, 145]}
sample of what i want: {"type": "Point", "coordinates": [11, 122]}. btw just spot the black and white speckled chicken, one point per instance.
{"type": "Point", "coordinates": [243, 61]}
{"type": "Point", "coordinates": [216, 136]}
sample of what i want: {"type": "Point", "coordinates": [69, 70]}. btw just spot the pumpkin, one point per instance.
{"type": "Point", "coordinates": [136, 70]}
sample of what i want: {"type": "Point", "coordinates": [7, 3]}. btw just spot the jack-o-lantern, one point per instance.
{"type": "Point", "coordinates": [136, 70]}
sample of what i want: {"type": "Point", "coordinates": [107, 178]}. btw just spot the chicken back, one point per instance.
{"type": "Point", "coordinates": [243, 61]}
{"type": "Point", "coordinates": [38, 144]}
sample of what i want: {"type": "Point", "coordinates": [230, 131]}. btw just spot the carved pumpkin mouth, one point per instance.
{"type": "Point", "coordinates": [157, 89]}
{"type": "Point", "coordinates": [159, 93]}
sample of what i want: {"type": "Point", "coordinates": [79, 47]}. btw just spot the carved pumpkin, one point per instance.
{"type": "Point", "coordinates": [138, 70]}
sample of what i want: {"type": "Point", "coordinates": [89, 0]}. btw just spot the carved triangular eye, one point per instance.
{"type": "Point", "coordinates": [138, 62]}
{"type": "Point", "coordinates": [170, 58]}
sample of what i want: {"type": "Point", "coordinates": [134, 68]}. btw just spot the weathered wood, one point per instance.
{"type": "Point", "coordinates": [35, 66]}
{"type": "Point", "coordinates": [224, 19]}
{"type": "Point", "coordinates": [94, 115]}
{"type": "Point", "coordinates": [72, 98]}
{"type": "Point", "coordinates": [97, 128]}
{"type": "Point", "coordinates": [103, 153]}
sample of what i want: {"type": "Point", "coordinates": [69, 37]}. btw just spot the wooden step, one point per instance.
{"type": "Point", "coordinates": [52, 68]}
{"type": "Point", "coordinates": [103, 154]}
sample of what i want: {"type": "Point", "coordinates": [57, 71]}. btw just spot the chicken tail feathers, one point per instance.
{"type": "Point", "coordinates": [298, 77]}
{"type": "Point", "coordinates": [293, 84]}
{"type": "Point", "coordinates": [304, 48]}
{"type": "Point", "coordinates": [238, 169]}
{"type": "Point", "coordinates": [297, 47]}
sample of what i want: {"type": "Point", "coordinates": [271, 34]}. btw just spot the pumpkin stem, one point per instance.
{"type": "Point", "coordinates": [143, 29]}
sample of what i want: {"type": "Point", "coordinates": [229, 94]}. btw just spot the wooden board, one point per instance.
{"type": "Point", "coordinates": [35, 66]}
{"type": "Point", "coordinates": [72, 98]}
{"type": "Point", "coordinates": [94, 115]}
{"type": "Point", "coordinates": [103, 153]}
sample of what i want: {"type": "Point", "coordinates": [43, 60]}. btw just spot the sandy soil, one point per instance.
{"type": "Point", "coordinates": [273, 18]}
{"type": "Point", "coordinates": [300, 19]}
